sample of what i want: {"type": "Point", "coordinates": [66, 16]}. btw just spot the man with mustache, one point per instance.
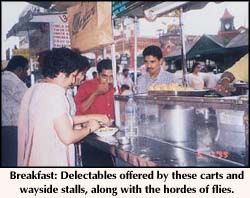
{"type": "Point", "coordinates": [155, 74]}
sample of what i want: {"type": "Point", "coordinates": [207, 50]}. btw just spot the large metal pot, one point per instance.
{"type": "Point", "coordinates": [179, 123]}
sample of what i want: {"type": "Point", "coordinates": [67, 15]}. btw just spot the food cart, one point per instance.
{"type": "Point", "coordinates": [180, 130]}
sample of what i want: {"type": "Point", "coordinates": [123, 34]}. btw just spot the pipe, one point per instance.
{"type": "Point", "coordinates": [135, 49]}
{"type": "Point", "coordinates": [183, 50]}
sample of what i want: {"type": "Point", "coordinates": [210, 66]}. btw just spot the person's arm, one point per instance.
{"type": "Point", "coordinates": [98, 117]}
{"type": "Point", "coordinates": [227, 77]}
{"type": "Point", "coordinates": [223, 85]}
{"type": "Point", "coordinates": [85, 105]}
{"type": "Point", "coordinates": [67, 135]}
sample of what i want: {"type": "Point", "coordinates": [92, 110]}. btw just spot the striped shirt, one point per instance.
{"type": "Point", "coordinates": [163, 77]}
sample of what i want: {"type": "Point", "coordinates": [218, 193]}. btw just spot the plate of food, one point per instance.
{"type": "Point", "coordinates": [174, 89]}
{"type": "Point", "coordinates": [106, 131]}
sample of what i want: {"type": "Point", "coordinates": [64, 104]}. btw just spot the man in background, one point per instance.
{"type": "Point", "coordinates": [13, 89]}
{"type": "Point", "coordinates": [155, 75]}
{"type": "Point", "coordinates": [126, 80]}
{"type": "Point", "coordinates": [238, 72]}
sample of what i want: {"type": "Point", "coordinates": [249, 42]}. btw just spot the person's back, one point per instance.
{"type": "Point", "coordinates": [13, 89]}
{"type": "Point", "coordinates": [40, 98]}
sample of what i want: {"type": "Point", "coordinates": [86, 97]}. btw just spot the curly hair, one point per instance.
{"type": "Point", "coordinates": [153, 50]}
{"type": "Point", "coordinates": [60, 60]}
{"type": "Point", "coordinates": [84, 63]}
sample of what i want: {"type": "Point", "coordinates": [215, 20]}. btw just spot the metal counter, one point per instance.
{"type": "Point", "coordinates": [144, 151]}
{"type": "Point", "coordinates": [188, 131]}
{"type": "Point", "coordinates": [232, 102]}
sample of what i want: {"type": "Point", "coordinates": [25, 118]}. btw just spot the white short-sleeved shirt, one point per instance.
{"type": "Point", "coordinates": [196, 81]}
{"type": "Point", "coordinates": [126, 81]}
{"type": "Point", "coordinates": [38, 143]}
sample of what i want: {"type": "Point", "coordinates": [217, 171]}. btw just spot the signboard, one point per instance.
{"type": "Point", "coordinates": [39, 39]}
{"type": "Point", "coordinates": [59, 29]}
{"type": "Point", "coordinates": [89, 26]}
{"type": "Point", "coordinates": [119, 7]}
{"type": "Point", "coordinates": [124, 59]}
{"type": "Point", "coordinates": [60, 32]}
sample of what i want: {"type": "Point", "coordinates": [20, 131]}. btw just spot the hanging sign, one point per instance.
{"type": "Point", "coordinates": [90, 25]}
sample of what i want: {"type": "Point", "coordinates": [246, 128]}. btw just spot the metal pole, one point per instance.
{"type": "Point", "coordinates": [104, 53]}
{"type": "Point", "coordinates": [116, 103]}
{"type": "Point", "coordinates": [32, 70]}
{"type": "Point", "coordinates": [183, 50]}
{"type": "Point", "coordinates": [114, 67]}
{"type": "Point", "coordinates": [51, 42]}
{"type": "Point", "coordinates": [113, 59]}
{"type": "Point", "coordinates": [123, 37]}
{"type": "Point", "coordinates": [135, 49]}
{"type": "Point", "coordinates": [32, 75]}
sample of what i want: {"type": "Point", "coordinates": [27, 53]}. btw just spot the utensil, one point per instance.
{"type": "Point", "coordinates": [124, 140]}
{"type": "Point", "coordinates": [179, 123]}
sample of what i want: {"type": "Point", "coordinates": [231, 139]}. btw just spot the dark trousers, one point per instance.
{"type": "Point", "coordinates": [9, 146]}
{"type": "Point", "coordinates": [94, 157]}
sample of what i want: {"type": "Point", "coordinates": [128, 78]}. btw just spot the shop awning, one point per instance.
{"type": "Point", "coordinates": [30, 21]}
{"type": "Point", "coordinates": [55, 5]}
{"type": "Point", "coordinates": [130, 8]}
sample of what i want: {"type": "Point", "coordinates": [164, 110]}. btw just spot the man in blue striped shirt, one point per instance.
{"type": "Point", "coordinates": [155, 74]}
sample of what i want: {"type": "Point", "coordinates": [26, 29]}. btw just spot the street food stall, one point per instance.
{"type": "Point", "coordinates": [178, 128]}
{"type": "Point", "coordinates": [181, 128]}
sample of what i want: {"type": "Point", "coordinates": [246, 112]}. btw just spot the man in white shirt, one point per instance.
{"type": "Point", "coordinates": [13, 89]}
{"type": "Point", "coordinates": [126, 80]}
